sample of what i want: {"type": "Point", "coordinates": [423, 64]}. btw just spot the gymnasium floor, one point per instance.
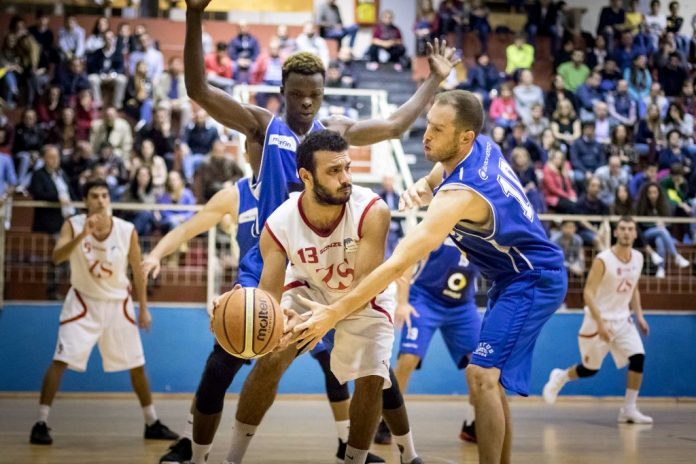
{"type": "Point", "coordinates": [108, 430]}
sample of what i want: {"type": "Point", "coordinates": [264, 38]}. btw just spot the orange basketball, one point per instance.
{"type": "Point", "coordinates": [247, 322]}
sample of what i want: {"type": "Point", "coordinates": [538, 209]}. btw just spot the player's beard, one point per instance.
{"type": "Point", "coordinates": [446, 153]}
{"type": "Point", "coordinates": [324, 197]}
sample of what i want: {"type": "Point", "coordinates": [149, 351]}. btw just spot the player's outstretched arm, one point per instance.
{"type": "Point", "coordinates": [226, 201]}
{"type": "Point", "coordinates": [139, 285]}
{"type": "Point", "coordinates": [444, 213]}
{"type": "Point", "coordinates": [247, 119]}
{"type": "Point", "coordinates": [441, 60]}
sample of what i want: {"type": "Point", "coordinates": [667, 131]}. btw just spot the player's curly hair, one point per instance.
{"type": "Point", "coordinates": [305, 63]}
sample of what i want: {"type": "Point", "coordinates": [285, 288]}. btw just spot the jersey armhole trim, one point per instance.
{"type": "Point", "coordinates": [364, 213]}
{"type": "Point", "coordinates": [462, 186]}
{"type": "Point", "coordinates": [275, 239]}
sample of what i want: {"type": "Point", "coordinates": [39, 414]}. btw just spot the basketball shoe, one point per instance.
{"type": "Point", "coordinates": [557, 379]}
{"type": "Point", "coordinates": [159, 431]}
{"type": "Point", "coordinates": [633, 416]}
{"type": "Point", "coordinates": [179, 452]}
{"type": "Point", "coordinates": [468, 432]}
{"type": "Point", "coordinates": [341, 454]}
{"type": "Point", "coordinates": [40, 435]}
{"type": "Point", "coordinates": [383, 435]}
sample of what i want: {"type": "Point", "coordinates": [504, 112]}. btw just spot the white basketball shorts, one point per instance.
{"type": "Point", "coordinates": [625, 342]}
{"type": "Point", "coordinates": [86, 321]}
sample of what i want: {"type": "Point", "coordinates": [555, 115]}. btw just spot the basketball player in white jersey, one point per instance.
{"type": "Point", "coordinates": [333, 234]}
{"type": "Point", "coordinates": [611, 288]}
{"type": "Point", "coordinates": [98, 308]}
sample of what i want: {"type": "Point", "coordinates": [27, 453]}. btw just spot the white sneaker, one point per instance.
{"type": "Point", "coordinates": [554, 385]}
{"type": "Point", "coordinates": [656, 259]}
{"type": "Point", "coordinates": [660, 274]}
{"type": "Point", "coordinates": [680, 261]}
{"type": "Point", "coordinates": [633, 416]}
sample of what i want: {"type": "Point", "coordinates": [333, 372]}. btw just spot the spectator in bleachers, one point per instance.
{"type": "Point", "coordinates": [331, 25]}
{"type": "Point", "coordinates": [542, 20]}
{"type": "Point", "coordinates": [78, 166]}
{"type": "Point", "coordinates": [71, 39]}
{"type": "Point", "coordinates": [611, 21]}
{"type": "Point", "coordinates": [350, 71]}
{"type": "Point", "coordinates": [519, 54]}
{"type": "Point", "coordinates": [537, 123]}
{"type": "Point", "coordinates": [657, 97]}
{"type": "Point", "coordinates": [453, 16]}
{"type": "Point", "coordinates": [140, 191]}
{"type": "Point", "coordinates": [597, 54]}
{"type": "Point", "coordinates": [64, 133]}
{"type": "Point", "coordinates": [288, 46]}
{"type": "Point", "coordinates": [73, 81]}
{"type": "Point", "coordinates": [566, 51]}
{"type": "Point", "coordinates": [139, 95]}
{"type": "Point", "coordinates": [643, 43]}
{"type": "Point", "coordinates": [388, 194]}
{"type": "Point", "coordinates": [43, 35]}
{"type": "Point", "coordinates": [125, 40]}
{"type": "Point", "coordinates": [386, 36]}
{"type": "Point", "coordinates": [478, 22]}
{"type": "Point", "coordinates": [565, 124]}
{"type": "Point", "coordinates": [575, 71]}
{"type": "Point", "coordinates": [650, 137]}
{"type": "Point", "coordinates": [622, 107]}
{"type": "Point", "coordinates": [49, 106]}
{"type": "Point", "coordinates": [159, 130]}
{"type": "Point", "coordinates": [6, 134]}
{"type": "Point", "coordinates": [310, 41]}
{"type": "Point", "coordinates": [674, 21]}
{"type": "Point", "coordinates": [602, 123]}
{"type": "Point", "coordinates": [170, 89]}
{"type": "Point", "coordinates": [85, 113]}
{"type": "Point", "coordinates": [610, 76]}
{"type": "Point", "coordinates": [623, 54]}
{"type": "Point", "coordinates": [482, 78]}
{"type": "Point", "coordinates": [622, 147]}
{"type": "Point", "coordinates": [138, 46]}
{"type": "Point", "coordinates": [176, 194]}
{"type": "Point", "coordinates": [28, 51]}
{"type": "Point", "coordinates": [652, 201]}
{"type": "Point", "coordinates": [502, 111]}
{"type": "Point", "coordinates": [96, 40]}
{"type": "Point", "coordinates": [116, 131]}
{"type": "Point", "coordinates": [105, 66]}
{"type": "Point", "coordinates": [218, 68]}
{"type": "Point", "coordinates": [243, 50]}
{"type": "Point", "coordinates": [268, 70]}
{"type": "Point", "coordinates": [671, 73]}
{"type": "Point", "coordinates": [677, 119]}
{"type": "Point", "coordinates": [623, 203]}
{"type": "Point", "coordinates": [556, 93]}
{"type": "Point", "coordinates": [426, 27]}
{"type": "Point", "coordinates": [522, 166]}
{"type": "Point", "coordinates": [28, 141]}
{"type": "Point", "coordinates": [611, 176]}
{"type": "Point", "coordinates": [148, 54]}
{"type": "Point", "coordinates": [638, 78]}
{"type": "Point", "coordinates": [519, 137]}
{"type": "Point", "coordinates": [591, 204]}
{"type": "Point", "coordinates": [587, 95]}
{"type": "Point", "coordinates": [649, 174]}
{"type": "Point", "coordinates": [656, 21]}
{"type": "Point", "coordinates": [117, 175]}
{"type": "Point", "coordinates": [676, 187]}
{"type": "Point", "coordinates": [10, 71]}
{"type": "Point", "coordinates": [688, 101]}
{"type": "Point", "coordinates": [557, 184]}
{"type": "Point", "coordinates": [634, 17]}
{"type": "Point", "coordinates": [199, 137]}
{"type": "Point", "coordinates": [340, 105]}
{"type": "Point", "coordinates": [527, 94]}
{"type": "Point", "coordinates": [676, 152]}
{"type": "Point", "coordinates": [499, 136]}
{"type": "Point", "coordinates": [571, 244]}
{"type": "Point", "coordinates": [146, 156]}
{"type": "Point", "coordinates": [216, 171]}
{"type": "Point", "coordinates": [586, 155]}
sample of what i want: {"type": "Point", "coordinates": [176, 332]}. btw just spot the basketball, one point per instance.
{"type": "Point", "coordinates": [247, 322]}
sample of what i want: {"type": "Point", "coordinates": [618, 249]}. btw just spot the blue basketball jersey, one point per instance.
{"type": "Point", "coordinates": [517, 241]}
{"type": "Point", "coordinates": [447, 276]}
{"type": "Point", "coordinates": [246, 217]}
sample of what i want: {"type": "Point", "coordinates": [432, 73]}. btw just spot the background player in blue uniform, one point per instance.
{"type": "Point", "coordinates": [482, 207]}
{"type": "Point", "coordinates": [272, 143]}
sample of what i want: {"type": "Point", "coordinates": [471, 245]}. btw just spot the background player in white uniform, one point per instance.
{"type": "Point", "coordinates": [333, 234]}
{"type": "Point", "coordinates": [612, 285]}
{"type": "Point", "coordinates": [98, 308]}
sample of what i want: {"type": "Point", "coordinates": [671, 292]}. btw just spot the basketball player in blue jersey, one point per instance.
{"type": "Point", "coordinates": [474, 198]}
{"type": "Point", "coordinates": [273, 142]}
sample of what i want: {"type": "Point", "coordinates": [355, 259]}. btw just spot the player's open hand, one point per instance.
{"type": "Point", "coordinates": [403, 314]}
{"type": "Point", "coordinates": [310, 332]}
{"type": "Point", "coordinates": [441, 58]}
{"type": "Point", "coordinates": [417, 195]}
{"type": "Point", "coordinates": [144, 319]}
{"type": "Point", "coordinates": [604, 333]}
{"type": "Point", "coordinates": [150, 266]}
{"type": "Point", "coordinates": [197, 4]}
{"type": "Point", "coordinates": [291, 319]}
{"type": "Point", "coordinates": [643, 325]}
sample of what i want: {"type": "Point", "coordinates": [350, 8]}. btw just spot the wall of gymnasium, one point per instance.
{"type": "Point", "coordinates": [179, 342]}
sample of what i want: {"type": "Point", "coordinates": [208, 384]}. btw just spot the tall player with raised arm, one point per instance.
{"type": "Point", "coordinates": [474, 198]}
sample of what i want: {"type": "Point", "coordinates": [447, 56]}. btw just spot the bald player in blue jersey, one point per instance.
{"type": "Point", "coordinates": [273, 141]}
{"type": "Point", "coordinates": [475, 199]}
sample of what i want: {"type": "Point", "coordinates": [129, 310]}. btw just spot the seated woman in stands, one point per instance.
{"type": "Point", "coordinates": [557, 184]}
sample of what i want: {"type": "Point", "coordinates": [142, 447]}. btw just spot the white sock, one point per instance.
{"type": "Point", "coordinates": [342, 428]}
{"type": "Point", "coordinates": [241, 437]}
{"type": "Point", "coordinates": [406, 447]}
{"type": "Point", "coordinates": [188, 428]}
{"type": "Point", "coordinates": [355, 456]}
{"type": "Point", "coordinates": [150, 414]}
{"type": "Point", "coordinates": [199, 452]}
{"type": "Point", "coordinates": [44, 410]}
{"type": "Point", "coordinates": [630, 399]}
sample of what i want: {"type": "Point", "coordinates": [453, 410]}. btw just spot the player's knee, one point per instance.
{"type": "Point", "coordinates": [407, 362]}
{"type": "Point", "coordinates": [636, 363]}
{"type": "Point", "coordinates": [334, 390]}
{"type": "Point", "coordinates": [370, 385]}
{"type": "Point", "coordinates": [217, 377]}
{"type": "Point", "coordinates": [482, 379]}
{"type": "Point", "coordinates": [584, 372]}
{"type": "Point", "coordinates": [392, 397]}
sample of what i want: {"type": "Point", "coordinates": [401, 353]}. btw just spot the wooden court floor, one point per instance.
{"type": "Point", "coordinates": [108, 430]}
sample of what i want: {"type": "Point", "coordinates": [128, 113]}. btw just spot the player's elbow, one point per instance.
{"type": "Point", "coordinates": [57, 258]}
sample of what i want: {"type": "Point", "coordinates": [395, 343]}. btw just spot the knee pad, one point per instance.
{"type": "Point", "coordinates": [218, 374]}
{"type": "Point", "coordinates": [583, 372]}
{"type": "Point", "coordinates": [636, 362]}
{"type": "Point", "coordinates": [334, 390]}
{"type": "Point", "coordinates": [392, 397]}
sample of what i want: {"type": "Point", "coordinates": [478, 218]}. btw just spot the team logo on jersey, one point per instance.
{"type": "Point", "coordinates": [350, 245]}
{"type": "Point", "coordinates": [483, 172]}
{"type": "Point", "coordinates": [286, 142]}
{"type": "Point", "coordinates": [483, 349]}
